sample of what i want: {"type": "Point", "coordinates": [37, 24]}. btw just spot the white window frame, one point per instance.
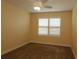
{"type": "Point", "coordinates": [49, 27]}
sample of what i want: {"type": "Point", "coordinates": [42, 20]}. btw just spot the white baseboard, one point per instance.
{"type": "Point", "coordinates": [40, 43]}
{"type": "Point", "coordinates": [66, 45]}
{"type": "Point", "coordinates": [75, 55]}
{"type": "Point", "coordinates": [9, 50]}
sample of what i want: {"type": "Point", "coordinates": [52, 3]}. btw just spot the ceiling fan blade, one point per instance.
{"type": "Point", "coordinates": [48, 6]}
{"type": "Point", "coordinates": [43, 1]}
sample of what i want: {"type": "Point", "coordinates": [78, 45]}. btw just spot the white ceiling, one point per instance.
{"type": "Point", "coordinates": [58, 5]}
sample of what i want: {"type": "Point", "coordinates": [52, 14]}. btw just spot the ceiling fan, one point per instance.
{"type": "Point", "coordinates": [38, 4]}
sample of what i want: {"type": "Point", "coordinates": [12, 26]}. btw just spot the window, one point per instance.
{"type": "Point", "coordinates": [43, 26]}
{"type": "Point", "coordinates": [54, 26]}
{"type": "Point", "coordinates": [49, 26]}
{"type": "Point", "coordinates": [43, 31]}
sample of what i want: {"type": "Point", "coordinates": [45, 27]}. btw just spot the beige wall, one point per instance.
{"type": "Point", "coordinates": [15, 27]}
{"type": "Point", "coordinates": [66, 26]}
{"type": "Point", "coordinates": [74, 29]}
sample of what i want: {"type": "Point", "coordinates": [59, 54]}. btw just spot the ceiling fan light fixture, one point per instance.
{"type": "Point", "coordinates": [37, 8]}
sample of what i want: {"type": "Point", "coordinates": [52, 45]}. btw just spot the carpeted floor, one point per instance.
{"type": "Point", "coordinates": [40, 51]}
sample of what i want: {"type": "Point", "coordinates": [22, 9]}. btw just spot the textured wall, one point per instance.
{"type": "Point", "coordinates": [15, 26]}
{"type": "Point", "coordinates": [74, 29]}
{"type": "Point", "coordinates": [66, 27]}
